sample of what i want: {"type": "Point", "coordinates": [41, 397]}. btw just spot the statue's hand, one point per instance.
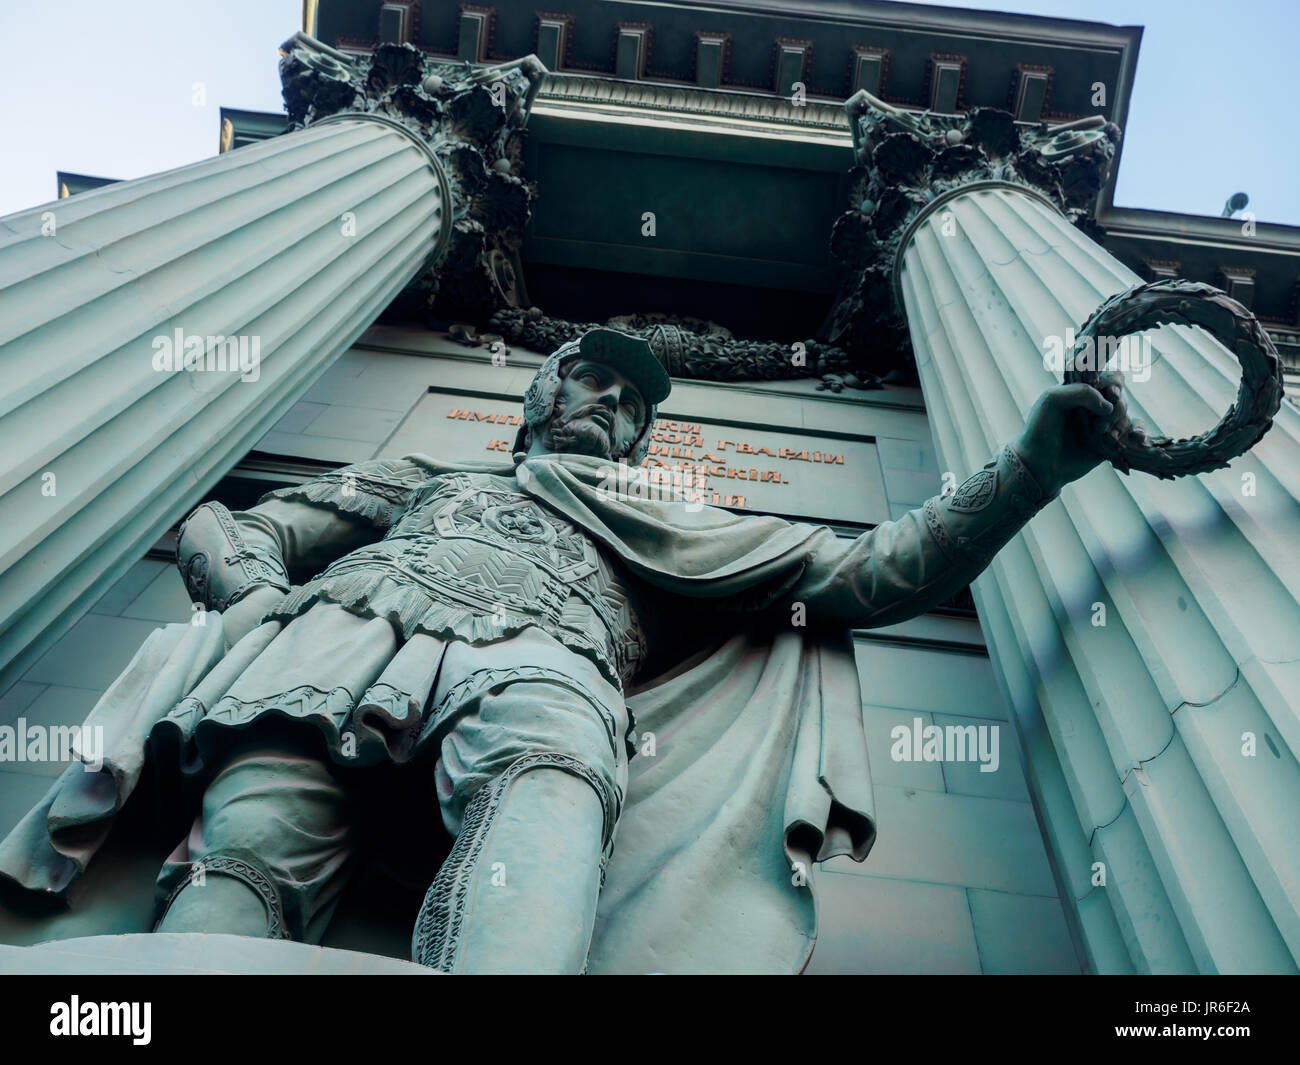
{"type": "Point", "coordinates": [1057, 443]}
{"type": "Point", "coordinates": [240, 619]}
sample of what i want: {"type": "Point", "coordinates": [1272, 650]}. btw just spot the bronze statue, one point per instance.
{"type": "Point", "coordinates": [636, 716]}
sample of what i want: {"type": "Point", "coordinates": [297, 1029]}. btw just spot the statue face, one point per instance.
{"type": "Point", "coordinates": [597, 412]}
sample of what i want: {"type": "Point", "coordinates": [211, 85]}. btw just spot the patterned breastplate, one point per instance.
{"type": "Point", "coordinates": [495, 561]}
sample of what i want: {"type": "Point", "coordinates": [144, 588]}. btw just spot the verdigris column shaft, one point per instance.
{"type": "Point", "coordinates": [1145, 631]}
{"type": "Point", "coordinates": [153, 330]}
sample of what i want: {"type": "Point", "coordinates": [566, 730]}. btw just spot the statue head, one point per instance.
{"type": "Point", "coordinates": [597, 395]}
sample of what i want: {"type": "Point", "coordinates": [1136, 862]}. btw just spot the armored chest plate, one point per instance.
{"type": "Point", "coordinates": [493, 559]}
{"type": "Point", "coordinates": [491, 510]}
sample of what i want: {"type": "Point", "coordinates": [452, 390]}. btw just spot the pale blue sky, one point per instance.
{"type": "Point", "coordinates": [108, 88]}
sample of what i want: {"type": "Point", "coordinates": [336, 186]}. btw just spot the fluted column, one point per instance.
{"type": "Point", "coordinates": [1146, 633]}
{"type": "Point", "coordinates": [275, 257]}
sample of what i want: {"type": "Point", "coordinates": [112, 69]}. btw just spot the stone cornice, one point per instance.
{"type": "Point", "coordinates": [933, 19]}
{"type": "Point", "coordinates": [570, 89]}
{"type": "Point", "coordinates": [1268, 237]}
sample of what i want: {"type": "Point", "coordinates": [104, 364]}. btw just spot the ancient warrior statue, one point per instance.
{"type": "Point", "coordinates": [633, 719]}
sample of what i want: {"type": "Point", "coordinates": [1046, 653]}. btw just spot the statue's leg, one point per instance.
{"type": "Point", "coordinates": [269, 853]}
{"type": "Point", "coordinates": [531, 780]}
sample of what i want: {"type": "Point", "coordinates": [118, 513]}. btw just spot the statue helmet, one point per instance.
{"type": "Point", "coordinates": [629, 354]}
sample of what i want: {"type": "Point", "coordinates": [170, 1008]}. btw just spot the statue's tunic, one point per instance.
{"type": "Point", "coordinates": [460, 557]}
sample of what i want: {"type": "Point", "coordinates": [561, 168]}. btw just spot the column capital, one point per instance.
{"type": "Point", "coordinates": [907, 165]}
{"type": "Point", "coordinates": [466, 118]}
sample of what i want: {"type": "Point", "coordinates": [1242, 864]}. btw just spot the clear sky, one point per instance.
{"type": "Point", "coordinates": [109, 88]}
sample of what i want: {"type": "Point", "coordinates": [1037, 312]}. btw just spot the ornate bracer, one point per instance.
{"type": "Point", "coordinates": [218, 565]}
{"type": "Point", "coordinates": [293, 532]}
{"type": "Point", "coordinates": [987, 510]}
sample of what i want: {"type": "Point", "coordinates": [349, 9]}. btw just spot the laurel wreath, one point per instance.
{"type": "Point", "coordinates": [1187, 303]}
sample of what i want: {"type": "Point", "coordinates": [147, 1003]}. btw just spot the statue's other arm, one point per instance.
{"type": "Point", "coordinates": [241, 562]}
{"type": "Point", "coordinates": [903, 568]}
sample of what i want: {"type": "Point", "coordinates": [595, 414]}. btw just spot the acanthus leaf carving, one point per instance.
{"type": "Point", "coordinates": [469, 117]}
{"type": "Point", "coordinates": [905, 162]}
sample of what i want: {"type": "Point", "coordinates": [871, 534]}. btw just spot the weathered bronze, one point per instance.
{"type": "Point", "coordinates": [636, 716]}
{"type": "Point", "coordinates": [1259, 396]}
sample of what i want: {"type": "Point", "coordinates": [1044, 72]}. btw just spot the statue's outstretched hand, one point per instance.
{"type": "Point", "coordinates": [1057, 443]}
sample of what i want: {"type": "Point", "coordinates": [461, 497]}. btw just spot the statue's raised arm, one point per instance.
{"type": "Point", "coordinates": [903, 568]}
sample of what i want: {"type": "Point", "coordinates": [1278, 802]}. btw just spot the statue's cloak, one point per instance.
{"type": "Point", "coordinates": [752, 763]}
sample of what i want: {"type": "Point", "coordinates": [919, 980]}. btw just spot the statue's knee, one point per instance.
{"type": "Point", "coordinates": [475, 797]}
{"type": "Point", "coordinates": [506, 730]}
{"type": "Point", "coordinates": [222, 892]}
{"type": "Point", "coordinates": [268, 801]}
{"type": "Point", "coordinates": [274, 838]}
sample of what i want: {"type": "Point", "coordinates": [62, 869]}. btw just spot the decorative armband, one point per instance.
{"type": "Point", "coordinates": [218, 566]}
{"type": "Point", "coordinates": [986, 510]}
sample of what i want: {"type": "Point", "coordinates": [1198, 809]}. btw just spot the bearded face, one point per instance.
{"type": "Point", "coordinates": [597, 411]}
